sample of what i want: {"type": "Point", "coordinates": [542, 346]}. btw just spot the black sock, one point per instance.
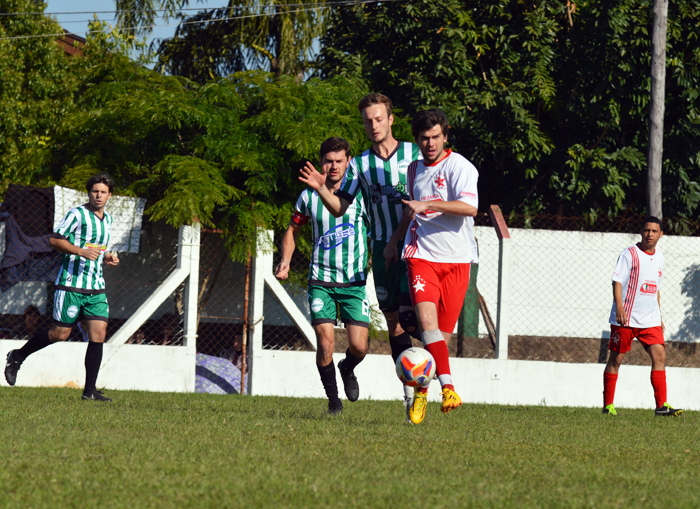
{"type": "Point", "coordinates": [38, 341]}
{"type": "Point", "coordinates": [93, 359]}
{"type": "Point", "coordinates": [399, 344]}
{"type": "Point", "coordinates": [328, 380]}
{"type": "Point", "coordinates": [350, 361]}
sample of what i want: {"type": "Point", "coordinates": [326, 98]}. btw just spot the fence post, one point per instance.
{"type": "Point", "coordinates": [192, 286]}
{"type": "Point", "coordinates": [261, 263]}
{"type": "Point", "coordinates": [504, 251]}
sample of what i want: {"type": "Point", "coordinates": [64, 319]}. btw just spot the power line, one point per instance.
{"type": "Point", "coordinates": [320, 6]}
{"type": "Point", "coordinates": [164, 10]}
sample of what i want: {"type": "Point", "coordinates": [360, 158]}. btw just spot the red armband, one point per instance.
{"type": "Point", "coordinates": [299, 218]}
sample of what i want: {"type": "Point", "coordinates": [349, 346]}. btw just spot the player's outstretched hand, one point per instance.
{"type": "Point", "coordinates": [112, 259]}
{"type": "Point", "coordinates": [391, 254]}
{"type": "Point", "coordinates": [91, 253]}
{"type": "Point", "coordinates": [282, 270]}
{"type": "Point", "coordinates": [414, 207]}
{"type": "Point", "coordinates": [311, 177]}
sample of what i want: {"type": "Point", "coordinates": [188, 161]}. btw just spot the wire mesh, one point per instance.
{"type": "Point", "coordinates": [560, 289]}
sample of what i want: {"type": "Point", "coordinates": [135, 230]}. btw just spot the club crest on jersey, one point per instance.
{"type": "Point", "coordinates": [403, 165]}
{"type": "Point", "coordinates": [394, 194]}
{"type": "Point", "coordinates": [648, 288]}
{"type": "Point", "coordinates": [440, 181]}
{"type": "Point", "coordinates": [336, 236]}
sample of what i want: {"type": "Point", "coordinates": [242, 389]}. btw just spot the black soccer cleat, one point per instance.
{"type": "Point", "coordinates": [95, 395]}
{"type": "Point", "coordinates": [335, 407]}
{"type": "Point", "coordinates": [12, 367]}
{"type": "Point", "coordinates": [352, 388]}
{"type": "Point", "coordinates": [668, 411]}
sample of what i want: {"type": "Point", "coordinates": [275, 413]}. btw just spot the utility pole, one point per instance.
{"type": "Point", "coordinates": [656, 109]}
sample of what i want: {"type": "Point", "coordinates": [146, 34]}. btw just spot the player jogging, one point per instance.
{"type": "Point", "coordinates": [337, 273]}
{"type": "Point", "coordinates": [82, 237]}
{"type": "Point", "coordinates": [636, 314]}
{"type": "Point", "coordinates": [379, 177]}
{"type": "Point", "coordinates": [440, 246]}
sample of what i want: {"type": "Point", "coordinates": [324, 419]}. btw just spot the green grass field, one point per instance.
{"type": "Point", "coordinates": [196, 450]}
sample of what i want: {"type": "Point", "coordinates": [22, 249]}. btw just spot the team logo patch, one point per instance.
{"type": "Point", "coordinates": [382, 294]}
{"type": "Point", "coordinates": [418, 284]}
{"type": "Point", "coordinates": [72, 311]}
{"type": "Point", "coordinates": [440, 181]}
{"type": "Point", "coordinates": [616, 338]}
{"type": "Point", "coordinates": [394, 194]}
{"type": "Point", "coordinates": [316, 305]}
{"type": "Point", "coordinates": [336, 236]}
{"type": "Point", "coordinates": [648, 288]}
{"type": "Point", "coordinates": [403, 165]}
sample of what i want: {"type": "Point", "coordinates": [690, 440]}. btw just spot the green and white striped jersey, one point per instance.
{"type": "Point", "coordinates": [339, 257]}
{"type": "Point", "coordinates": [383, 184]}
{"type": "Point", "coordinates": [83, 229]}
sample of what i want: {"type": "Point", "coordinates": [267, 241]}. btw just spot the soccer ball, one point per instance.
{"type": "Point", "coordinates": [415, 367]}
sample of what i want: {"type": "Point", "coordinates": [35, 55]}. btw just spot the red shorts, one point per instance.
{"type": "Point", "coordinates": [445, 284]}
{"type": "Point", "coordinates": [621, 337]}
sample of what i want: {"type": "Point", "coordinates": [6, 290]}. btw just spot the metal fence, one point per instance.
{"type": "Point", "coordinates": [561, 294]}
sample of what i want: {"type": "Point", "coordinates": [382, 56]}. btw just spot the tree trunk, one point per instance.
{"type": "Point", "coordinates": [656, 109]}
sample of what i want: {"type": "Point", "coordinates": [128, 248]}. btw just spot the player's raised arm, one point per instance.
{"type": "Point", "coordinates": [336, 205]}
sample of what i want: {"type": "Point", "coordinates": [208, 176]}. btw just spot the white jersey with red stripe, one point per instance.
{"type": "Point", "coordinates": [434, 236]}
{"type": "Point", "coordinates": [639, 273]}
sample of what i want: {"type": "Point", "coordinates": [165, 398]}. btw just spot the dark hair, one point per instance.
{"type": "Point", "coordinates": [372, 99]}
{"type": "Point", "coordinates": [335, 144]}
{"type": "Point", "coordinates": [102, 178]}
{"type": "Point", "coordinates": [427, 119]}
{"type": "Point", "coordinates": [653, 219]}
{"type": "Point", "coordinates": [33, 310]}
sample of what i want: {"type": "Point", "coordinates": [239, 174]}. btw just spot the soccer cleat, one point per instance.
{"type": "Point", "coordinates": [450, 400]}
{"type": "Point", "coordinates": [335, 407]}
{"type": "Point", "coordinates": [417, 411]}
{"type": "Point", "coordinates": [95, 395]}
{"type": "Point", "coordinates": [609, 410]}
{"type": "Point", "coordinates": [352, 388]}
{"type": "Point", "coordinates": [668, 410]}
{"type": "Point", "coordinates": [12, 367]}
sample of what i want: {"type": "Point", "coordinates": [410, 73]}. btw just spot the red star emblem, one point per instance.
{"type": "Point", "coordinates": [440, 181]}
{"type": "Point", "coordinates": [660, 273]}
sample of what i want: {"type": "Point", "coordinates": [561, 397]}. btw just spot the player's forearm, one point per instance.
{"type": "Point", "coordinates": [454, 207]}
{"type": "Point", "coordinates": [64, 246]}
{"type": "Point", "coordinates": [617, 295]}
{"type": "Point", "coordinates": [400, 231]}
{"type": "Point", "coordinates": [289, 243]}
{"type": "Point", "coordinates": [335, 205]}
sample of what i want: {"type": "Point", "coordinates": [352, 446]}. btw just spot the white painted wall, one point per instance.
{"type": "Point", "coordinates": [124, 367]}
{"type": "Point", "coordinates": [560, 282]}
{"type": "Point", "coordinates": [503, 382]}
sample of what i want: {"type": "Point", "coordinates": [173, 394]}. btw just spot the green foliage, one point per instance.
{"type": "Point", "coordinates": [226, 153]}
{"type": "Point", "coordinates": [548, 99]}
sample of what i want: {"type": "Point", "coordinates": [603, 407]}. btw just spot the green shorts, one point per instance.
{"type": "Point", "coordinates": [69, 307]}
{"type": "Point", "coordinates": [388, 283]}
{"type": "Point", "coordinates": [352, 301]}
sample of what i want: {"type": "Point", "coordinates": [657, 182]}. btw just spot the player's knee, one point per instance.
{"type": "Point", "coordinates": [409, 323]}
{"type": "Point", "coordinates": [56, 334]}
{"type": "Point", "coordinates": [399, 344]}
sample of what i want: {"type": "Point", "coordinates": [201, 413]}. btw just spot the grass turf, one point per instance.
{"type": "Point", "coordinates": [196, 450]}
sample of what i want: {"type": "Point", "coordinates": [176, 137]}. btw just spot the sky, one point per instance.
{"type": "Point", "coordinates": [77, 23]}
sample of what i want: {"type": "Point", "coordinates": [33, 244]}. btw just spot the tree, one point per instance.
{"type": "Point", "coordinates": [276, 36]}
{"type": "Point", "coordinates": [549, 99]}
{"type": "Point", "coordinates": [226, 153]}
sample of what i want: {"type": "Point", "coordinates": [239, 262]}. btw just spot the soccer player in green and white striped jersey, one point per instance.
{"type": "Point", "coordinates": [82, 237]}
{"type": "Point", "coordinates": [337, 273]}
{"type": "Point", "coordinates": [379, 176]}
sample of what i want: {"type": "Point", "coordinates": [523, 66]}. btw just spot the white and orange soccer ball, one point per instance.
{"type": "Point", "coordinates": [415, 367]}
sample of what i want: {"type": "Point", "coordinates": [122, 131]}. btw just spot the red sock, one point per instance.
{"type": "Point", "coordinates": [441, 354]}
{"type": "Point", "coordinates": [609, 383]}
{"type": "Point", "coordinates": [658, 382]}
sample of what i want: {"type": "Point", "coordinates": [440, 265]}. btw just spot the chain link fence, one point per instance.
{"type": "Point", "coordinates": [561, 294]}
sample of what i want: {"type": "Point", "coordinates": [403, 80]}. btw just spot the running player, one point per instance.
{"type": "Point", "coordinates": [440, 245]}
{"type": "Point", "coordinates": [337, 273]}
{"type": "Point", "coordinates": [82, 237]}
{"type": "Point", "coordinates": [379, 176]}
{"type": "Point", "coordinates": [636, 314]}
